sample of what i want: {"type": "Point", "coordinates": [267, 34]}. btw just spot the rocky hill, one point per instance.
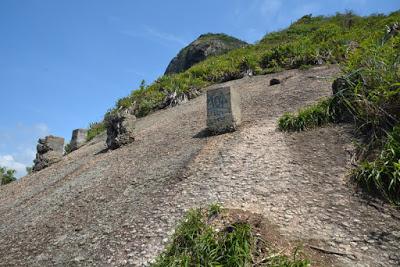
{"type": "Point", "coordinates": [205, 46]}
{"type": "Point", "coordinates": [119, 207]}
{"type": "Point", "coordinates": [292, 162]}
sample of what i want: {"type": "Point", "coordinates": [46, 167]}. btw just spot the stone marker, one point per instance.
{"type": "Point", "coordinates": [49, 150]}
{"type": "Point", "coordinates": [223, 110]}
{"type": "Point", "coordinates": [78, 138]}
{"type": "Point", "coordinates": [120, 129]}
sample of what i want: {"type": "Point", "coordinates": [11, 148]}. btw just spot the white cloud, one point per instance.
{"type": "Point", "coordinates": [18, 147]}
{"type": "Point", "coordinates": [9, 162]}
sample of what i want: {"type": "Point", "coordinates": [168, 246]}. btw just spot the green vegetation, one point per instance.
{"type": "Point", "coordinates": [382, 176]}
{"type": "Point", "coordinates": [307, 42]}
{"type": "Point", "coordinates": [214, 209]}
{"type": "Point", "coordinates": [95, 128]}
{"type": "Point", "coordinates": [7, 175]}
{"type": "Point", "coordinates": [67, 148]}
{"type": "Point", "coordinates": [229, 40]}
{"type": "Point", "coordinates": [197, 243]}
{"type": "Point", "coordinates": [194, 52]}
{"type": "Point", "coordinates": [316, 115]}
{"type": "Point", "coordinates": [369, 96]}
{"type": "Point", "coordinates": [367, 49]}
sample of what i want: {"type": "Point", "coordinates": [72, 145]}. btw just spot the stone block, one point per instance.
{"type": "Point", "coordinates": [78, 138]}
{"type": "Point", "coordinates": [120, 129]}
{"type": "Point", "coordinates": [223, 110]}
{"type": "Point", "coordinates": [49, 150]}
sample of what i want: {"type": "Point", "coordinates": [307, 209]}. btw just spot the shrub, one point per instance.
{"type": "Point", "coordinates": [7, 175]}
{"type": "Point", "coordinates": [316, 115]}
{"type": "Point", "coordinates": [382, 176]}
{"type": "Point", "coordinates": [197, 243]}
{"type": "Point", "coordinates": [369, 96]}
{"type": "Point", "coordinates": [95, 129]}
{"type": "Point", "coordinates": [373, 72]}
{"type": "Point", "coordinates": [67, 148]}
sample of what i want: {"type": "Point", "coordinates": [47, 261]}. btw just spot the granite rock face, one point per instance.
{"type": "Point", "coordinates": [78, 138]}
{"type": "Point", "coordinates": [223, 110]}
{"type": "Point", "coordinates": [204, 46]}
{"type": "Point", "coordinates": [120, 129]}
{"type": "Point", "coordinates": [121, 208]}
{"type": "Point", "coordinates": [49, 150]}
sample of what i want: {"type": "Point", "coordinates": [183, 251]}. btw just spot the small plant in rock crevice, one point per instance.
{"type": "Point", "coordinates": [197, 242]}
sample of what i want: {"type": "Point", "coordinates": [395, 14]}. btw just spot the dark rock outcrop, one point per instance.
{"type": "Point", "coordinates": [120, 127]}
{"type": "Point", "coordinates": [274, 81]}
{"type": "Point", "coordinates": [78, 138]}
{"type": "Point", "coordinates": [173, 99]}
{"type": "Point", "coordinates": [204, 46]}
{"type": "Point", "coordinates": [49, 150]}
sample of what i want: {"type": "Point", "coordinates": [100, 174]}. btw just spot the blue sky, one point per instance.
{"type": "Point", "coordinates": [63, 63]}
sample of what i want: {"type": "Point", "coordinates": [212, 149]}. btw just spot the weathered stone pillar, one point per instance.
{"type": "Point", "coordinates": [78, 138]}
{"type": "Point", "coordinates": [120, 129]}
{"type": "Point", "coordinates": [223, 110]}
{"type": "Point", "coordinates": [49, 150]}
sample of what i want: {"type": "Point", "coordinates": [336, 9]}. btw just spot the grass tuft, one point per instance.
{"type": "Point", "coordinates": [369, 96]}
{"type": "Point", "coordinates": [316, 115]}
{"type": "Point", "coordinates": [198, 243]}
{"type": "Point", "coordinates": [382, 176]}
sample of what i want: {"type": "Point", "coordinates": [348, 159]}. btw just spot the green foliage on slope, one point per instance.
{"type": "Point", "coordinates": [370, 97]}
{"type": "Point", "coordinates": [205, 46]}
{"type": "Point", "coordinates": [382, 176]}
{"type": "Point", "coordinates": [369, 57]}
{"type": "Point", "coordinates": [309, 41]}
{"type": "Point", "coordinates": [316, 115]}
{"type": "Point", "coordinates": [95, 128]}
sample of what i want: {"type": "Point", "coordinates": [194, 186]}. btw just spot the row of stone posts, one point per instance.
{"type": "Point", "coordinates": [223, 115]}
{"type": "Point", "coordinates": [50, 149]}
